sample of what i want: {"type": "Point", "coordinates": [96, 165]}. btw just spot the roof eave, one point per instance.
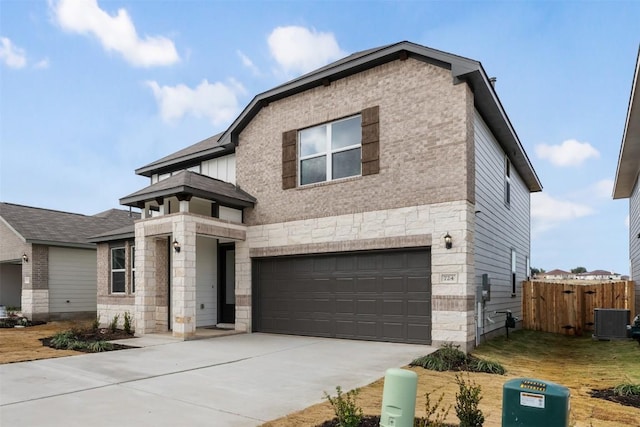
{"type": "Point", "coordinates": [185, 189]}
{"type": "Point", "coordinates": [62, 244]}
{"type": "Point", "coordinates": [171, 164]}
{"type": "Point", "coordinates": [628, 166]}
{"type": "Point", "coordinates": [112, 237]}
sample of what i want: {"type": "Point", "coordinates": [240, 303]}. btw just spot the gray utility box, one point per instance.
{"type": "Point", "coordinates": [611, 323]}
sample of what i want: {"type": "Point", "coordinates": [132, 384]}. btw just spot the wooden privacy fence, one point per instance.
{"type": "Point", "coordinates": [567, 308]}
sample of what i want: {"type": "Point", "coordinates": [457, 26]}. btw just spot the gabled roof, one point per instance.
{"type": "Point", "coordinates": [206, 147]}
{"type": "Point", "coordinates": [628, 168]}
{"type": "Point", "coordinates": [597, 273]}
{"type": "Point", "coordinates": [122, 233]}
{"type": "Point", "coordinates": [462, 70]}
{"type": "Point", "coordinates": [189, 183]}
{"type": "Point", "coordinates": [50, 227]}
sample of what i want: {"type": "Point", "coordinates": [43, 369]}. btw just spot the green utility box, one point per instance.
{"type": "Point", "coordinates": [399, 398]}
{"type": "Point", "coordinates": [533, 403]}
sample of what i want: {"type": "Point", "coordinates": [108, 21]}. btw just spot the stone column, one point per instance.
{"type": "Point", "coordinates": [184, 277]}
{"type": "Point", "coordinates": [35, 283]}
{"type": "Point", "coordinates": [145, 307]}
{"type": "Point", "coordinates": [243, 287]}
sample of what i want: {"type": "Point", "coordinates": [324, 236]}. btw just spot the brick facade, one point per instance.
{"type": "Point", "coordinates": [426, 144]}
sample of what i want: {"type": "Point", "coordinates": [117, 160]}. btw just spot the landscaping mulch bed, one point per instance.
{"type": "Point", "coordinates": [91, 335]}
{"type": "Point", "coordinates": [610, 395]}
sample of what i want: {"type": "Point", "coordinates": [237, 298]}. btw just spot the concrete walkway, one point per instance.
{"type": "Point", "coordinates": [239, 380]}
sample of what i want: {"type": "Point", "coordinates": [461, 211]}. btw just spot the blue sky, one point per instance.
{"type": "Point", "coordinates": [91, 90]}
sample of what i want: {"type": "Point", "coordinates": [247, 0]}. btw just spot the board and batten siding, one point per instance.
{"type": "Point", "coordinates": [634, 239]}
{"type": "Point", "coordinates": [72, 278]}
{"type": "Point", "coordinates": [222, 168]}
{"type": "Point", "coordinates": [499, 227]}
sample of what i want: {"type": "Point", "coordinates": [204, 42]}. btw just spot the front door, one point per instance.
{"type": "Point", "coordinates": [227, 288]}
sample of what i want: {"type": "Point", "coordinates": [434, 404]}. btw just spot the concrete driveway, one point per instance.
{"type": "Point", "coordinates": [239, 380]}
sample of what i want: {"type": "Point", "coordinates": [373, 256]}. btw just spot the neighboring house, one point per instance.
{"type": "Point", "coordinates": [557, 275]}
{"type": "Point", "coordinates": [598, 275]}
{"type": "Point", "coordinates": [363, 200]}
{"type": "Point", "coordinates": [626, 183]}
{"type": "Point", "coordinates": [47, 264]}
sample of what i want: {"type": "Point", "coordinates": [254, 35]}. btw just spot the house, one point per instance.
{"type": "Point", "coordinates": [626, 184]}
{"type": "Point", "coordinates": [47, 264]}
{"type": "Point", "coordinates": [369, 199]}
{"type": "Point", "coordinates": [599, 275]}
{"type": "Point", "coordinates": [557, 274]}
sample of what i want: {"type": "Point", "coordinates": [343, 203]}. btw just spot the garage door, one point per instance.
{"type": "Point", "coordinates": [378, 296]}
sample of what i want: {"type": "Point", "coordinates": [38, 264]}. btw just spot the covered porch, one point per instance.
{"type": "Point", "coordinates": [185, 266]}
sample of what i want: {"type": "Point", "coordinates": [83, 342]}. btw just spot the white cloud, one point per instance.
{"type": "Point", "coordinates": [247, 62]}
{"type": "Point", "coordinates": [12, 55]}
{"type": "Point", "coordinates": [603, 188]}
{"type": "Point", "coordinates": [570, 153]}
{"type": "Point", "coordinates": [215, 101]}
{"type": "Point", "coordinates": [299, 49]}
{"type": "Point", "coordinates": [42, 64]}
{"type": "Point", "coordinates": [115, 33]}
{"type": "Point", "coordinates": [548, 212]}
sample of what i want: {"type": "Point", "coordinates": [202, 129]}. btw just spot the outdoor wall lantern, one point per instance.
{"type": "Point", "coordinates": [447, 241]}
{"type": "Point", "coordinates": [25, 258]}
{"type": "Point", "coordinates": [176, 245]}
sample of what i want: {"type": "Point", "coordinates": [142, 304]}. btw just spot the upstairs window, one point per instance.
{"type": "Point", "coordinates": [330, 151]}
{"type": "Point", "coordinates": [118, 270]}
{"type": "Point", "coordinates": [507, 181]}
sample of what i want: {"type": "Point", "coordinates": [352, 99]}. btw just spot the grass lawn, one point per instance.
{"type": "Point", "coordinates": [579, 363]}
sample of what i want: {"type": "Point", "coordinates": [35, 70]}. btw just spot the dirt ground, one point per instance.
{"type": "Point", "coordinates": [23, 344]}
{"type": "Point", "coordinates": [577, 371]}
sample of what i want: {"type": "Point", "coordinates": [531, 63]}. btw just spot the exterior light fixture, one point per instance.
{"type": "Point", "coordinates": [176, 245]}
{"type": "Point", "coordinates": [447, 241]}
{"type": "Point", "coordinates": [25, 257]}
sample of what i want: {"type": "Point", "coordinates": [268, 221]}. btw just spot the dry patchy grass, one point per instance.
{"type": "Point", "coordinates": [578, 363]}
{"type": "Point", "coordinates": [23, 344]}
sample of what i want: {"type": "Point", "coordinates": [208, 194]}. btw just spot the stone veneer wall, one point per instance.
{"type": "Point", "coordinates": [110, 305]}
{"type": "Point", "coordinates": [415, 226]}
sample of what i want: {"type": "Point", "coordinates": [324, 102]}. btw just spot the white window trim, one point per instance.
{"type": "Point", "coordinates": [514, 271]}
{"type": "Point", "coordinates": [132, 264]}
{"type": "Point", "coordinates": [328, 153]}
{"type": "Point", "coordinates": [117, 270]}
{"type": "Point", "coordinates": [507, 181]}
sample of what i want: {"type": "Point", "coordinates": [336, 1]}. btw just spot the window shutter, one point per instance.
{"type": "Point", "coordinates": [370, 141]}
{"type": "Point", "coordinates": [289, 159]}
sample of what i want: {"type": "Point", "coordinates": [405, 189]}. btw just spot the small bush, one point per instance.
{"type": "Point", "coordinates": [347, 411]}
{"type": "Point", "coordinates": [99, 346]}
{"type": "Point", "coordinates": [440, 413]}
{"type": "Point", "coordinates": [95, 325]}
{"type": "Point", "coordinates": [627, 389]}
{"type": "Point", "coordinates": [451, 358]}
{"type": "Point", "coordinates": [467, 400]}
{"type": "Point", "coordinates": [113, 326]}
{"type": "Point", "coordinates": [127, 323]}
{"type": "Point", "coordinates": [62, 340]}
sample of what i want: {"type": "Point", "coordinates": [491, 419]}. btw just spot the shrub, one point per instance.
{"type": "Point", "coordinates": [451, 358]}
{"type": "Point", "coordinates": [99, 346]}
{"type": "Point", "coordinates": [113, 326]}
{"type": "Point", "coordinates": [436, 410]}
{"type": "Point", "coordinates": [62, 339]}
{"type": "Point", "coordinates": [446, 358]}
{"type": "Point", "coordinates": [127, 323]}
{"type": "Point", "coordinates": [467, 400]}
{"type": "Point", "coordinates": [347, 411]}
{"type": "Point", "coordinates": [95, 325]}
{"type": "Point", "coordinates": [627, 389]}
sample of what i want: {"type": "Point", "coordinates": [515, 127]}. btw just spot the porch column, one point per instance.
{"type": "Point", "coordinates": [145, 307]}
{"type": "Point", "coordinates": [184, 277]}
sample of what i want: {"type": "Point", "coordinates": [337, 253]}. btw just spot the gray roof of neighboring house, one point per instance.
{"type": "Point", "coordinates": [122, 233]}
{"type": "Point", "coordinates": [462, 70]}
{"type": "Point", "coordinates": [50, 227]}
{"type": "Point", "coordinates": [194, 184]}
{"type": "Point", "coordinates": [628, 168]}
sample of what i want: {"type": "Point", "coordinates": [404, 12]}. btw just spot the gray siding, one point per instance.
{"type": "Point", "coordinates": [73, 278]}
{"type": "Point", "coordinates": [499, 227]}
{"type": "Point", "coordinates": [634, 240]}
